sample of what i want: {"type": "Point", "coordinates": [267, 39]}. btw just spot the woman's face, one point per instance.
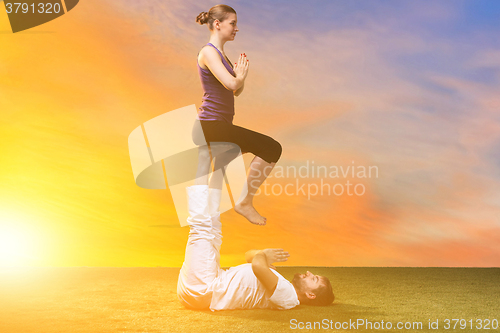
{"type": "Point", "coordinates": [228, 27]}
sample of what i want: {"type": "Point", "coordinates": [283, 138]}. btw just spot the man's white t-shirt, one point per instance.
{"type": "Point", "coordinates": [239, 288]}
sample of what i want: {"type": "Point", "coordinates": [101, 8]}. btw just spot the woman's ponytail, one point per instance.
{"type": "Point", "coordinates": [202, 18]}
{"type": "Point", "coordinates": [217, 12]}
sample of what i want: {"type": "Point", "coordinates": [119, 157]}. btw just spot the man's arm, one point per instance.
{"type": "Point", "coordinates": [260, 265]}
{"type": "Point", "coordinates": [250, 254]}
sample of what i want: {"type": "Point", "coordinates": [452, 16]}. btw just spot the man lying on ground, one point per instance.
{"type": "Point", "coordinates": [203, 284]}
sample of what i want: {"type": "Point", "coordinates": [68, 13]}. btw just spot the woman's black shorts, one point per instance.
{"type": "Point", "coordinates": [249, 141]}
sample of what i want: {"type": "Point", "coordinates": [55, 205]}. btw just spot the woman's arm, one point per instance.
{"type": "Point", "coordinates": [238, 92]}
{"type": "Point", "coordinates": [211, 58]}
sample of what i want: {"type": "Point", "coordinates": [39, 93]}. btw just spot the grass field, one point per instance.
{"type": "Point", "coordinates": [99, 300]}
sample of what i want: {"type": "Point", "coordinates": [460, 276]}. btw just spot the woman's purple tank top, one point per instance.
{"type": "Point", "coordinates": [218, 102]}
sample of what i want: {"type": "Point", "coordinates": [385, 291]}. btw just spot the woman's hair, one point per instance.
{"type": "Point", "coordinates": [218, 12]}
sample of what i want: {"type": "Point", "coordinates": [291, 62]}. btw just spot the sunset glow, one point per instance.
{"type": "Point", "coordinates": [16, 246]}
{"type": "Point", "coordinates": [409, 89]}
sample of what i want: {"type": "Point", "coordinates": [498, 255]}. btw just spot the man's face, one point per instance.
{"type": "Point", "coordinates": [306, 282]}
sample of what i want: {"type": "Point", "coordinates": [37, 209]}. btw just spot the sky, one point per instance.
{"type": "Point", "coordinates": [409, 88]}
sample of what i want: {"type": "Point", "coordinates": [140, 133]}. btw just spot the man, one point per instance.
{"type": "Point", "coordinates": [203, 284]}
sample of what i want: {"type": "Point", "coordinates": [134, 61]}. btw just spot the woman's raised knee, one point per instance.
{"type": "Point", "coordinates": [279, 149]}
{"type": "Point", "coordinates": [275, 150]}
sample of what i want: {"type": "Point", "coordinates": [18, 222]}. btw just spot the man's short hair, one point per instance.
{"type": "Point", "coordinates": [324, 294]}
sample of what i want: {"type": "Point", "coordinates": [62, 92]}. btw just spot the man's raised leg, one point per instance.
{"type": "Point", "coordinates": [213, 204]}
{"type": "Point", "coordinates": [201, 263]}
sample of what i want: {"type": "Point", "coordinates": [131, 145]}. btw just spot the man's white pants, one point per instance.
{"type": "Point", "coordinates": [201, 265]}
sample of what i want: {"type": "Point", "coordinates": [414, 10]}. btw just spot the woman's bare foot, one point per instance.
{"type": "Point", "coordinates": [248, 211]}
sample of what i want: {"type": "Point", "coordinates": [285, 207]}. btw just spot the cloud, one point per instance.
{"type": "Point", "coordinates": [335, 83]}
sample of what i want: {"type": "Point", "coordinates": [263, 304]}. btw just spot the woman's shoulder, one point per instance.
{"type": "Point", "coordinates": [208, 50]}
{"type": "Point", "coordinates": [209, 53]}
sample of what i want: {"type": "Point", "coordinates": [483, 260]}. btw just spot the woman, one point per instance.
{"type": "Point", "coordinates": [221, 82]}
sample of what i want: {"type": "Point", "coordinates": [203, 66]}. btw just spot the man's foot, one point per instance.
{"type": "Point", "coordinates": [248, 211]}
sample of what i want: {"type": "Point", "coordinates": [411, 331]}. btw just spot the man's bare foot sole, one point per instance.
{"type": "Point", "coordinates": [249, 212]}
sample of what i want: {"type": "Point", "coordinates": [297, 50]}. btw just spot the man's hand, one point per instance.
{"type": "Point", "coordinates": [272, 255]}
{"type": "Point", "coordinates": [275, 255]}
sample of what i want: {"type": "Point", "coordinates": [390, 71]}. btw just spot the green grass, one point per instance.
{"type": "Point", "coordinates": [144, 300]}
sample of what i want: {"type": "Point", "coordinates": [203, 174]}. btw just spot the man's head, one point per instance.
{"type": "Point", "coordinates": [313, 289]}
